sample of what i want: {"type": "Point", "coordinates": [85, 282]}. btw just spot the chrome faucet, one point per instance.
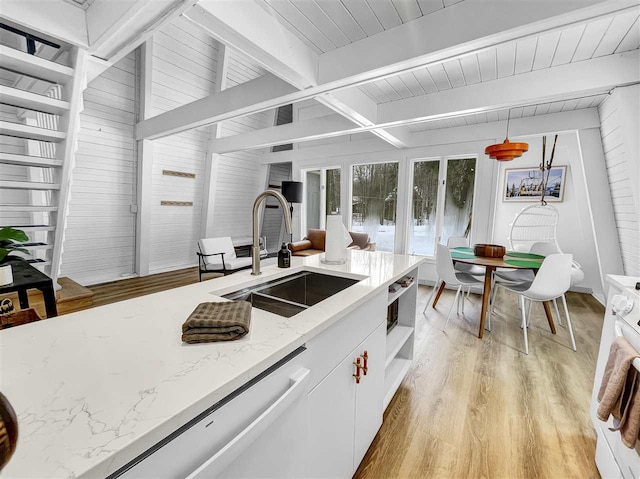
{"type": "Point", "coordinates": [255, 249]}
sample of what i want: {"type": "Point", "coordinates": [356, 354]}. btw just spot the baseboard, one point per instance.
{"type": "Point", "coordinates": [600, 298]}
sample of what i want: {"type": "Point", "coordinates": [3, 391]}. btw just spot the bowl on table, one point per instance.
{"type": "Point", "coordinates": [489, 250]}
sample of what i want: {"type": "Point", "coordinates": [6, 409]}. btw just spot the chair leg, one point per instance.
{"type": "Point", "coordinates": [555, 305]}
{"type": "Point", "coordinates": [451, 308]}
{"type": "Point", "coordinates": [489, 313]}
{"type": "Point", "coordinates": [529, 314]}
{"type": "Point", "coordinates": [458, 302]}
{"type": "Point", "coordinates": [524, 325]}
{"type": "Point", "coordinates": [566, 313]}
{"type": "Point", "coordinates": [433, 291]}
{"type": "Point", "coordinates": [462, 301]}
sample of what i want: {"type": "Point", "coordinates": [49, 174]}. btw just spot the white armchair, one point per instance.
{"type": "Point", "coordinates": [217, 255]}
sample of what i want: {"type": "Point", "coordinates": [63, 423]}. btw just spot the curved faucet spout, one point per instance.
{"type": "Point", "coordinates": [255, 249]}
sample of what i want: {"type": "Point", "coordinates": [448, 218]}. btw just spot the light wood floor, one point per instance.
{"type": "Point", "coordinates": [471, 407]}
{"type": "Point", "coordinates": [482, 408]}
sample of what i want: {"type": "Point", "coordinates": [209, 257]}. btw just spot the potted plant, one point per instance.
{"type": "Point", "coordinates": [10, 239]}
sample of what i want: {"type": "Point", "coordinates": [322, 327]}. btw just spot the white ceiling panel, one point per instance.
{"type": "Point", "coordinates": [598, 37]}
{"type": "Point", "coordinates": [328, 24]}
{"type": "Point", "coordinates": [407, 9]}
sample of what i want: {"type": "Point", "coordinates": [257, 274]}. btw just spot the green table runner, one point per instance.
{"type": "Point", "coordinates": [524, 263]}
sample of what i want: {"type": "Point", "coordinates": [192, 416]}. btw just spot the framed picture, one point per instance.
{"type": "Point", "coordinates": [526, 184]}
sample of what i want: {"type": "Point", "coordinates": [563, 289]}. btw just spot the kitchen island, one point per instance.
{"type": "Point", "coordinates": [95, 389]}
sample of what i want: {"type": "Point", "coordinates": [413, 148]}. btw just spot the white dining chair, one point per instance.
{"type": "Point", "coordinates": [518, 275]}
{"type": "Point", "coordinates": [458, 242]}
{"type": "Point", "coordinates": [552, 282]}
{"type": "Point", "coordinates": [448, 274]}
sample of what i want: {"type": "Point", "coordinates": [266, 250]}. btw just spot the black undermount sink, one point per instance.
{"type": "Point", "coordinates": [293, 294]}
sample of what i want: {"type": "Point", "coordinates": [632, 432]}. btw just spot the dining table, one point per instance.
{"type": "Point", "coordinates": [511, 260]}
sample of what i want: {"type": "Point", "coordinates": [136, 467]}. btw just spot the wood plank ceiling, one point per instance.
{"type": "Point", "coordinates": [325, 25]}
{"type": "Point", "coordinates": [600, 37]}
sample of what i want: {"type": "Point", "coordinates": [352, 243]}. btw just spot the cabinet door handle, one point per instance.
{"type": "Point", "coordinates": [358, 368]}
{"type": "Point", "coordinates": [365, 359]}
{"type": "Point", "coordinates": [225, 456]}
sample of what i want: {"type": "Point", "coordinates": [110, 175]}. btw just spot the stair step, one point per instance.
{"type": "Point", "coordinates": [21, 62]}
{"type": "Point", "coordinates": [32, 101]}
{"type": "Point", "coordinates": [26, 160]}
{"type": "Point", "coordinates": [35, 246]}
{"type": "Point", "coordinates": [29, 228]}
{"type": "Point", "coordinates": [28, 185]}
{"type": "Point", "coordinates": [31, 132]}
{"type": "Point", "coordinates": [27, 208]}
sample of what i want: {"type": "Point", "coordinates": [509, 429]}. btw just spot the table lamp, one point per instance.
{"type": "Point", "coordinates": [292, 191]}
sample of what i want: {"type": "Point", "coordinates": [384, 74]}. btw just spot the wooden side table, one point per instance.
{"type": "Point", "coordinates": [26, 277]}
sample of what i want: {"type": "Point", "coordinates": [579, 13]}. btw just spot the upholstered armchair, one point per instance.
{"type": "Point", "coordinates": [314, 243]}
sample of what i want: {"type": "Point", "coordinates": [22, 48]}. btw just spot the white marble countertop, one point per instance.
{"type": "Point", "coordinates": [96, 388]}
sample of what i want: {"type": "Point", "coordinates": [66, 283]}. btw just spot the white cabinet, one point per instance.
{"type": "Point", "coordinates": [369, 395]}
{"type": "Point", "coordinates": [345, 415]}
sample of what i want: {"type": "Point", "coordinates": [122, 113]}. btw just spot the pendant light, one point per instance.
{"type": "Point", "coordinates": [506, 151]}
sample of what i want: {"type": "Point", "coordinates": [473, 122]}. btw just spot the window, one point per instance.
{"type": "Point", "coordinates": [458, 203]}
{"type": "Point", "coordinates": [374, 197]}
{"type": "Point", "coordinates": [423, 226]}
{"type": "Point", "coordinates": [333, 191]}
{"type": "Point", "coordinates": [431, 221]}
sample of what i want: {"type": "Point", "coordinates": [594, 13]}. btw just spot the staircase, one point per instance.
{"type": "Point", "coordinates": [40, 100]}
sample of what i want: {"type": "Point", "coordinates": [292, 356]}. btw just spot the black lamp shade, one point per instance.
{"type": "Point", "coordinates": [292, 191]}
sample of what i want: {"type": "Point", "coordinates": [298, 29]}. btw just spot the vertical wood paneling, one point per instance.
{"type": "Point", "coordinates": [272, 219]}
{"type": "Point", "coordinates": [240, 176]}
{"type": "Point", "coordinates": [99, 241]}
{"type": "Point", "coordinates": [621, 185]}
{"type": "Point", "coordinates": [184, 68]}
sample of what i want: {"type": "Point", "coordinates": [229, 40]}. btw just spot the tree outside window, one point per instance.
{"type": "Point", "coordinates": [374, 198]}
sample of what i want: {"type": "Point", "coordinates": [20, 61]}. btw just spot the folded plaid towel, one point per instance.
{"type": "Point", "coordinates": [217, 322]}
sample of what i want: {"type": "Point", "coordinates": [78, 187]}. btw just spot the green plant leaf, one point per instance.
{"type": "Point", "coordinates": [9, 233]}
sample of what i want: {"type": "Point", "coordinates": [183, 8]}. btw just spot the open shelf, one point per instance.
{"type": "Point", "coordinates": [394, 375]}
{"type": "Point", "coordinates": [396, 338]}
{"type": "Point", "coordinates": [393, 296]}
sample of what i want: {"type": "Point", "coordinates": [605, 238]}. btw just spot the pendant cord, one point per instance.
{"type": "Point", "coordinates": [508, 119]}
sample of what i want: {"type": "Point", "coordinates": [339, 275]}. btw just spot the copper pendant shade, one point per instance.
{"type": "Point", "coordinates": [506, 151]}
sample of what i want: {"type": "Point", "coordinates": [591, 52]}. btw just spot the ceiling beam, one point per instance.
{"type": "Point", "coordinates": [589, 77]}
{"type": "Point", "coordinates": [573, 80]}
{"type": "Point", "coordinates": [117, 28]}
{"type": "Point", "coordinates": [305, 130]}
{"type": "Point", "coordinates": [245, 99]}
{"type": "Point", "coordinates": [252, 30]}
{"type": "Point", "coordinates": [453, 31]}
{"type": "Point", "coordinates": [532, 17]}
{"type": "Point", "coordinates": [521, 127]}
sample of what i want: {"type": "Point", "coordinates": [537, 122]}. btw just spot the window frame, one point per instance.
{"type": "Point", "coordinates": [350, 195]}
{"type": "Point", "coordinates": [440, 199]}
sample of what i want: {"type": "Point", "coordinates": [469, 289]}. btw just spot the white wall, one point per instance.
{"type": "Point", "coordinates": [99, 242]}
{"type": "Point", "coordinates": [575, 229]}
{"type": "Point", "coordinates": [620, 129]}
{"type": "Point", "coordinates": [240, 176]}
{"type": "Point", "coordinates": [184, 69]}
